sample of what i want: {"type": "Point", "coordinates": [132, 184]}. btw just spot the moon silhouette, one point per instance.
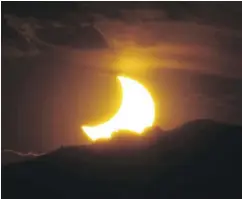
{"type": "Point", "coordinates": [137, 112]}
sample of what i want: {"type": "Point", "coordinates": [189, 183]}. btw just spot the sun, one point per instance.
{"type": "Point", "coordinates": [137, 112]}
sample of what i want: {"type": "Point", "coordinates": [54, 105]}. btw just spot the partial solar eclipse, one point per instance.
{"type": "Point", "coordinates": [137, 112]}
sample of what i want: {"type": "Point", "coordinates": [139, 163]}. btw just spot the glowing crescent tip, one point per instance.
{"type": "Point", "coordinates": [137, 112]}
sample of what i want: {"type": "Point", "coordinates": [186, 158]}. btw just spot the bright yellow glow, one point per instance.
{"type": "Point", "coordinates": [136, 113]}
{"type": "Point", "coordinates": [133, 59]}
{"type": "Point", "coordinates": [132, 62]}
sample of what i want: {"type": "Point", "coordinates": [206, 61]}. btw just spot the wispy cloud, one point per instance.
{"type": "Point", "coordinates": [29, 154]}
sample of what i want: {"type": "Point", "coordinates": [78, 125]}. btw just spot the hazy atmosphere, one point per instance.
{"type": "Point", "coordinates": [60, 61]}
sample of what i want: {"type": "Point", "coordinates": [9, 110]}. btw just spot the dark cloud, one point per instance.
{"type": "Point", "coordinates": [213, 13]}
{"type": "Point", "coordinates": [14, 44]}
{"type": "Point", "coordinates": [31, 36]}
{"type": "Point", "coordinates": [169, 34]}
{"type": "Point", "coordinates": [73, 37]}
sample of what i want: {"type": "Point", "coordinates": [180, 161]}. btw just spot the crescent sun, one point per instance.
{"type": "Point", "coordinates": [137, 112]}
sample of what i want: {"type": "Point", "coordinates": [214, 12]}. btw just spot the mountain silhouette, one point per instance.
{"type": "Point", "coordinates": [200, 159]}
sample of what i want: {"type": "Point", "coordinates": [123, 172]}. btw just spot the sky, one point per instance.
{"type": "Point", "coordinates": [60, 61]}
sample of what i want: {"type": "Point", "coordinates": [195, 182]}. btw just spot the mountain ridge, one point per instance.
{"type": "Point", "coordinates": [168, 168]}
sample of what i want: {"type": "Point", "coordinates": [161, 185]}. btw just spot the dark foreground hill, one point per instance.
{"type": "Point", "coordinates": [201, 159]}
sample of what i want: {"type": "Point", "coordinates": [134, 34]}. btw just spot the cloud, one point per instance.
{"type": "Point", "coordinates": [176, 44]}
{"type": "Point", "coordinates": [9, 156]}
{"type": "Point", "coordinates": [165, 35]}
{"type": "Point", "coordinates": [29, 154]}
{"type": "Point", "coordinates": [30, 36]}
